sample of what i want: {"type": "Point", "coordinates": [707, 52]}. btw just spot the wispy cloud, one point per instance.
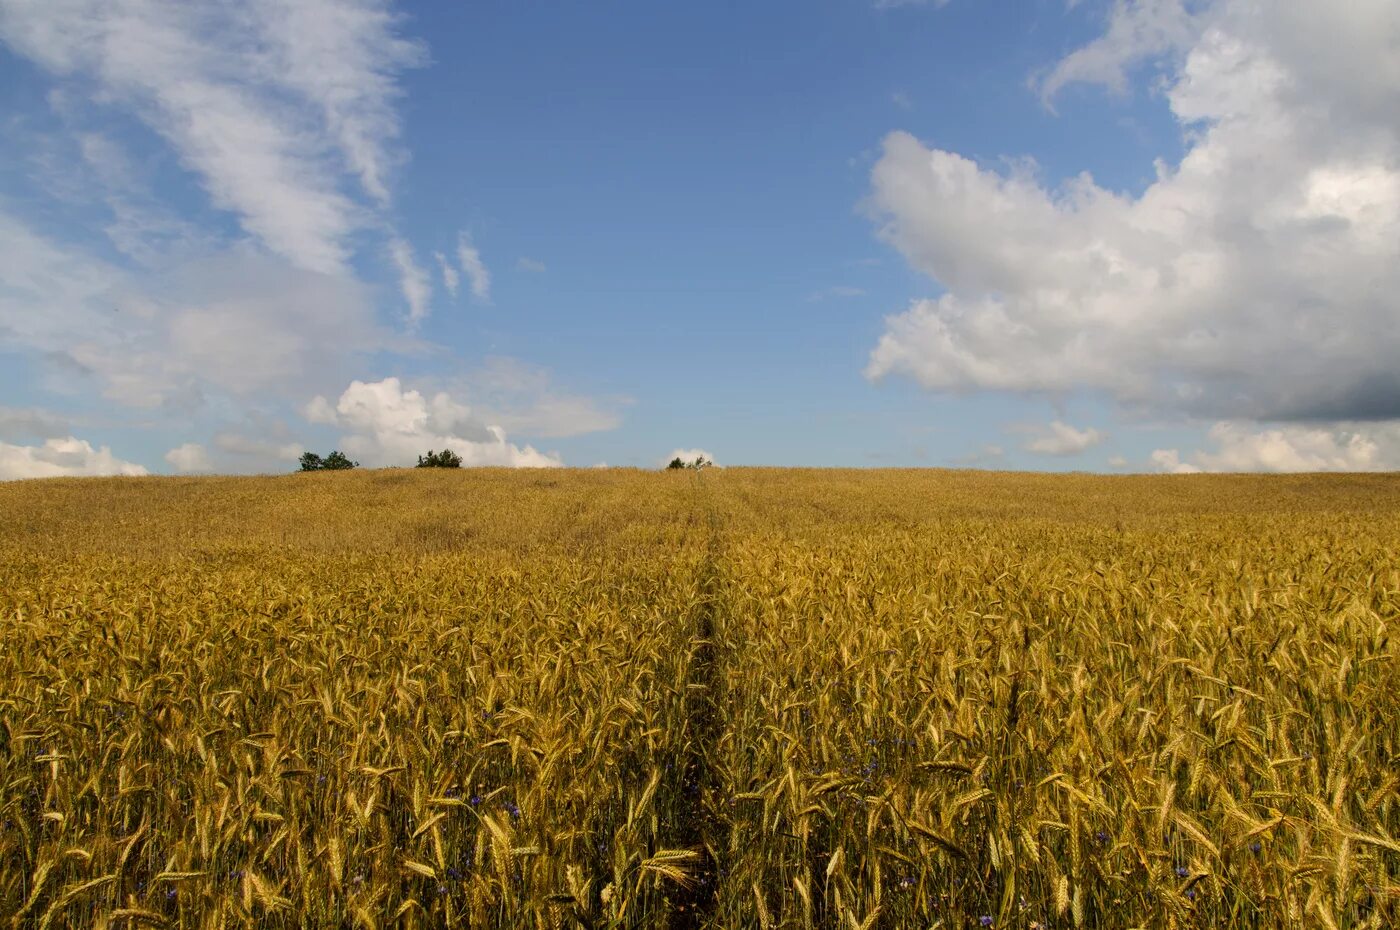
{"type": "Point", "coordinates": [269, 106]}
{"type": "Point", "coordinates": [524, 400]}
{"type": "Point", "coordinates": [451, 280]}
{"type": "Point", "coordinates": [239, 324]}
{"type": "Point", "coordinates": [837, 292]}
{"type": "Point", "coordinates": [529, 265]}
{"type": "Point", "coordinates": [1136, 31]}
{"type": "Point", "coordinates": [15, 422]}
{"type": "Point", "coordinates": [274, 447]}
{"type": "Point", "coordinates": [469, 257]}
{"type": "Point", "coordinates": [417, 288]}
{"type": "Point", "coordinates": [343, 57]}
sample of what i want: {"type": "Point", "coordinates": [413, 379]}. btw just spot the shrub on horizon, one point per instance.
{"type": "Point", "coordinates": [336, 461]}
{"type": "Point", "coordinates": [444, 459]}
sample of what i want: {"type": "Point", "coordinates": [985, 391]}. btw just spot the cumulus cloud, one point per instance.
{"type": "Point", "coordinates": [475, 269]}
{"type": "Point", "coordinates": [190, 458]}
{"type": "Point", "coordinates": [1059, 438]}
{"type": "Point", "coordinates": [1254, 280]}
{"type": "Point", "coordinates": [1169, 461]}
{"type": "Point", "coordinates": [58, 458]}
{"type": "Point", "coordinates": [1241, 447]}
{"type": "Point", "coordinates": [385, 424]}
{"type": "Point", "coordinates": [417, 288]}
{"type": "Point", "coordinates": [267, 105]}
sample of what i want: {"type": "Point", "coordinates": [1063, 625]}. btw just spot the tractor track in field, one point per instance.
{"type": "Point", "coordinates": [699, 829]}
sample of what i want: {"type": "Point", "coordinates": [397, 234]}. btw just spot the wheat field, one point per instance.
{"type": "Point", "coordinates": [734, 698]}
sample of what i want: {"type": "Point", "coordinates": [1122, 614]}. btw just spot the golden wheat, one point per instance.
{"type": "Point", "coordinates": [735, 699]}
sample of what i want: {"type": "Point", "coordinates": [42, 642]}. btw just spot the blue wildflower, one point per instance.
{"type": "Point", "coordinates": [985, 920]}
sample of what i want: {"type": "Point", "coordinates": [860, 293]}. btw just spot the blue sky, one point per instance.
{"type": "Point", "coordinates": [1157, 235]}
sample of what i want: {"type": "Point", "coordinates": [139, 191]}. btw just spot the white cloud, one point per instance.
{"type": "Point", "coordinates": [190, 457]}
{"type": "Point", "coordinates": [58, 458]}
{"type": "Point", "coordinates": [320, 410]}
{"type": "Point", "coordinates": [1137, 30]}
{"type": "Point", "coordinates": [470, 259]}
{"type": "Point", "coordinates": [276, 449]}
{"type": "Point", "coordinates": [387, 425]}
{"type": "Point", "coordinates": [51, 292]}
{"type": "Point", "coordinates": [413, 280]}
{"type": "Point", "coordinates": [1117, 461]}
{"type": "Point", "coordinates": [1169, 461]}
{"type": "Point", "coordinates": [268, 105]}
{"type": "Point", "coordinates": [689, 455]}
{"type": "Point", "coordinates": [1241, 447]}
{"type": "Point", "coordinates": [523, 399]}
{"type": "Point", "coordinates": [1059, 438]}
{"type": "Point", "coordinates": [343, 57]}
{"type": "Point", "coordinates": [530, 265]}
{"type": "Point", "coordinates": [1256, 279]}
{"type": "Point", "coordinates": [15, 422]}
{"type": "Point", "coordinates": [988, 455]}
{"type": "Point", "coordinates": [238, 323]}
{"type": "Point", "coordinates": [141, 228]}
{"type": "Point", "coordinates": [451, 280]}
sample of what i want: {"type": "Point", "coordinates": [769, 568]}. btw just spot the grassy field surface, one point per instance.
{"type": "Point", "coordinates": [735, 698]}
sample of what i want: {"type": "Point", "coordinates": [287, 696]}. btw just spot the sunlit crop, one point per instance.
{"type": "Point", "coordinates": [729, 698]}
